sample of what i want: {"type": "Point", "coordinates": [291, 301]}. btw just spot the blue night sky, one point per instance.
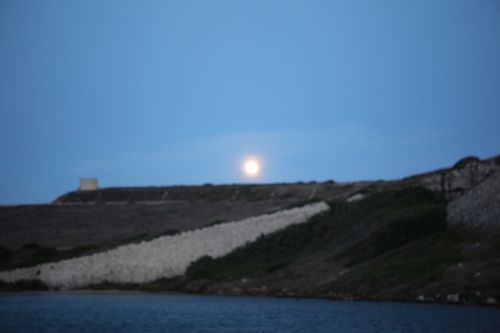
{"type": "Point", "coordinates": [179, 92]}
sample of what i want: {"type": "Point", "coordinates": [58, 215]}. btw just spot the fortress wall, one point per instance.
{"type": "Point", "coordinates": [166, 256]}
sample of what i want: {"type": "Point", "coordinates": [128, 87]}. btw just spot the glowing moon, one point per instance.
{"type": "Point", "coordinates": [251, 167]}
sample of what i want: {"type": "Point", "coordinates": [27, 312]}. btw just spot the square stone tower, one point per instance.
{"type": "Point", "coordinates": [88, 184]}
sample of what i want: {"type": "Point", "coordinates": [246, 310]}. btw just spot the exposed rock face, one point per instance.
{"type": "Point", "coordinates": [480, 205]}
{"type": "Point", "coordinates": [454, 182]}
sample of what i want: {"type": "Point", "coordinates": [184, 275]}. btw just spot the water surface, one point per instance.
{"type": "Point", "coordinates": [143, 312]}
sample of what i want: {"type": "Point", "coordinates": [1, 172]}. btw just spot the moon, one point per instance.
{"type": "Point", "coordinates": [251, 167]}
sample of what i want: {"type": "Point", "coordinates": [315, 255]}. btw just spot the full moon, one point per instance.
{"type": "Point", "coordinates": [251, 167]}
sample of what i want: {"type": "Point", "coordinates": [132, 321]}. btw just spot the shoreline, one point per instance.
{"type": "Point", "coordinates": [184, 293]}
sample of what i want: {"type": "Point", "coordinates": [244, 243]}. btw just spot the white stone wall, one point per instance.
{"type": "Point", "coordinates": [166, 256]}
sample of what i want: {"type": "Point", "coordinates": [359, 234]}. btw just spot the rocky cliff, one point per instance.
{"type": "Point", "coordinates": [456, 181]}
{"type": "Point", "coordinates": [480, 205]}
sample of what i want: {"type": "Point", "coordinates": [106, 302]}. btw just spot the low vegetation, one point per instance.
{"type": "Point", "coordinates": [348, 233]}
{"type": "Point", "coordinates": [413, 266]}
{"type": "Point", "coordinates": [33, 254]}
{"type": "Point", "coordinates": [34, 285]}
{"type": "Point", "coordinates": [390, 245]}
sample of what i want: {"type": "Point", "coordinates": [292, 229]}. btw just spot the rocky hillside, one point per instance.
{"type": "Point", "coordinates": [114, 216]}
{"type": "Point", "coordinates": [395, 245]}
{"type": "Point", "coordinates": [166, 256]}
{"type": "Point", "coordinates": [429, 237]}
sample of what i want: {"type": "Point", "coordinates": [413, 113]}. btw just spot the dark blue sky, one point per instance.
{"type": "Point", "coordinates": [178, 92]}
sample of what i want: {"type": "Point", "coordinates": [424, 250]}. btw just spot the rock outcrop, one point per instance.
{"type": "Point", "coordinates": [478, 206]}
{"type": "Point", "coordinates": [454, 182]}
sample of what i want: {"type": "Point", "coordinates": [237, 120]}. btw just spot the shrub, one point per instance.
{"type": "Point", "coordinates": [30, 246]}
{"type": "Point", "coordinates": [5, 254]}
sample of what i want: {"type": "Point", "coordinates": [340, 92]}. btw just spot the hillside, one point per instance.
{"type": "Point", "coordinates": [166, 256]}
{"type": "Point", "coordinates": [392, 245]}
{"type": "Point", "coordinates": [429, 237]}
{"type": "Point", "coordinates": [113, 216]}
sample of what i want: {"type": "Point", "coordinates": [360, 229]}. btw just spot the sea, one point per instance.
{"type": "Point", "coordinates": [136, 312]}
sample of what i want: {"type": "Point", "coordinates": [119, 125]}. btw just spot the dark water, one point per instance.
{"type": "Point", "coordinates": [138, 312]}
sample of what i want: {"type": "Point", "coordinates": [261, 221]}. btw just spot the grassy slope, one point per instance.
{"type": "Point", "coordinates": [391, 245]}
{"type": "Point", "coordinates": [349, 234]}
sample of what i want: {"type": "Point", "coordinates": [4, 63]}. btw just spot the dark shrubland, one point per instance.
{"type": "Point", "coordinates": [349, 234]}
{"type": "Point", "coordinates": [33, 254]}
{"type": "Point", "coordinates": [390, 245]}
{"type": "Point", "coordinates": [22, 285]}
